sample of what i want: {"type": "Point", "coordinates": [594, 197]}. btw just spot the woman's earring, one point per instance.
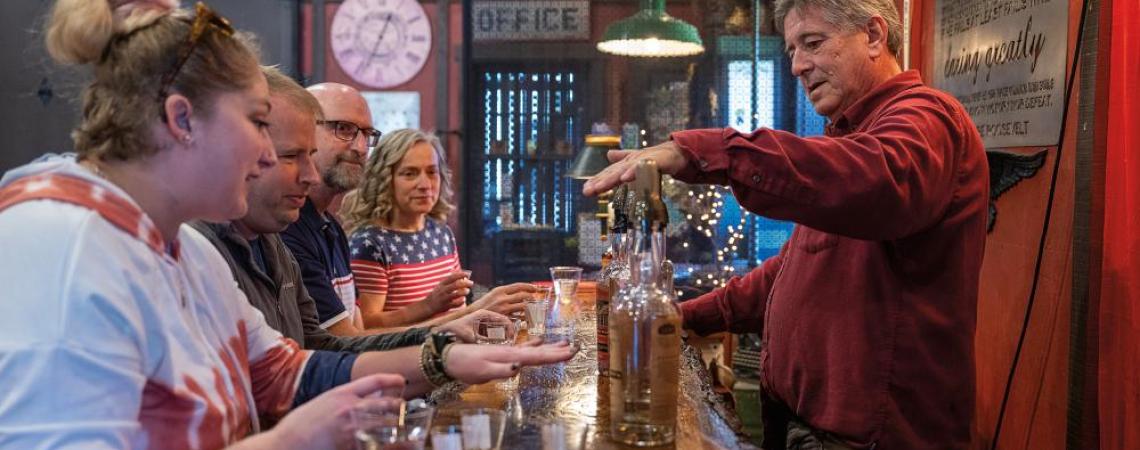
{"type": "Point", "coordinates": [187, 139]}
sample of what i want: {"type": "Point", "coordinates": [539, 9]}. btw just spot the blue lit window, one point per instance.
{"type": "Point", "coordinates": [529, 127]}
{"type": "Point", "coordinates": [808, 122]}
{"type": "Point", "coordinates": [776, 100]}
{"type": "Point", "coordinates": [741, 114]}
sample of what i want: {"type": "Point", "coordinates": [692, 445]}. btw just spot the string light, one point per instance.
{"type": "Point", "coordinates": [710, 199]}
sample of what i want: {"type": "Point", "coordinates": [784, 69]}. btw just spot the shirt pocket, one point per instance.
{"type": "Point", "coordinates": [287, 289]}
{"type": "Point", "coordinates": [814, 241]}
{"type": "Point", "coordinates": [287, 292]}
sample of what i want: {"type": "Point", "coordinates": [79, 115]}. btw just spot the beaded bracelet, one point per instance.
{"type": "Point", "coordinates": [431, 359]}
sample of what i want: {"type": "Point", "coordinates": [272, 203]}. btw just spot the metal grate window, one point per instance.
{"type": "Point", "coordinates": [757, 100]}
{"type": "Point", "coordinates": [743, 115]}
{"type": "Point", "coordinates": [530, 124]}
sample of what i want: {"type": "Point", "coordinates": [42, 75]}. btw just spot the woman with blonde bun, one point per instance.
{"type": "Point", "coordinates": [123, 328]}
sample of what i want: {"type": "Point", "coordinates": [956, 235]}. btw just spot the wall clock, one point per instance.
{"type": "Point", "coordinates": [381, 43]}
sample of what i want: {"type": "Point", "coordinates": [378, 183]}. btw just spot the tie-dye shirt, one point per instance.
{"type": "Point", "coordinates": [113, 339]}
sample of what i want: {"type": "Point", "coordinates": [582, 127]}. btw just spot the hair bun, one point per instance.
{"type": "Point", "coordinates": [130, 15]}
{"type": "Point", "coordinates": [79, 30]}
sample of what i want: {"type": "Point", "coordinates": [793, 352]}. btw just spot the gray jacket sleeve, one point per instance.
{"type": "Point", "coordinates": [317, 338]}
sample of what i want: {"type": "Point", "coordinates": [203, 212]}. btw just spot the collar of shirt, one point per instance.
{"type": "Point", "coordinates": [309, 215]}
{"type": "Point", "coordinates": [243, 253]}
{"type": "Point", "coordinates": [258, 250]}
{"type": "Point", "coordinates": [859, 111]}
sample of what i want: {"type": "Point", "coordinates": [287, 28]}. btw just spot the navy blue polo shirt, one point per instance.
{"type": "Point", "coordinates": [321, 248]}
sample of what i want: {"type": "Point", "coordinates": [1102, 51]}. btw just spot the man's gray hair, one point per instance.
{"type": "Point", "coordinates": [848, 14]}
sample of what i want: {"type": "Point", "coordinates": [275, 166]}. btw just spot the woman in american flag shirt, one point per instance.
{"type": "Point", "coordinates": [404, 257]}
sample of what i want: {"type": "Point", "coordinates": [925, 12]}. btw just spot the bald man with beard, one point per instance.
{"type": "Point", "coordinates": [317, 239]}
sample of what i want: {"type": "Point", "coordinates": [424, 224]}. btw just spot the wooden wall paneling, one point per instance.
{"type": "Point", "coordinates": [1034, 413]}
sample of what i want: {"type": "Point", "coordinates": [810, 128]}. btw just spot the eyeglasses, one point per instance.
{"type": "Point", "coordinates": [347, 131]}
{"type": "Point", "coordinates": [204, 18]}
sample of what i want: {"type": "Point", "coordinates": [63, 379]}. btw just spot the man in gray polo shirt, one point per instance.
{"type": "Point", "coordinates": [262, 265]}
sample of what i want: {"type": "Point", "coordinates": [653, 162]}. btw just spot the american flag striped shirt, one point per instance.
{"type": "Point", "coordinates": [402, 266]}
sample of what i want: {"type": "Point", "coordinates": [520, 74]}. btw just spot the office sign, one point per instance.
{"type": "Point", "coordinates": [1005, 61]}
{"type": "Point", "coordinates": [531, 20]}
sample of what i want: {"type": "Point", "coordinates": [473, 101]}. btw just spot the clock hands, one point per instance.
{"type": "Point", "coordinates": [379, 38]}
{"type": "Point", "coordinates": [386, 60]}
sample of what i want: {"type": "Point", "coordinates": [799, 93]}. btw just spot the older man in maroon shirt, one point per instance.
{"type": "Point", "coordinates": [867, 315]}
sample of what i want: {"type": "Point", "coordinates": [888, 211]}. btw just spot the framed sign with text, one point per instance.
{"type": "Point", "coordinates": [1005, 61]}
{"type": "Point", "coordinates": [558, 20]}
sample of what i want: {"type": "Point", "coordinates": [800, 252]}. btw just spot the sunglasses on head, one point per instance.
{"type": "Point", "coordinates": [205, 19]}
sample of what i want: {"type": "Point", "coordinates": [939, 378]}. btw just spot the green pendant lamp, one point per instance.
{"type": "Point", "coordinates": [651, 33]}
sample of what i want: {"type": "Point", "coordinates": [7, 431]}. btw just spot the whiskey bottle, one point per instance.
{"type": "Point", "coordinates": [645, 329]}
{"type": "Point", "coordinates": [615, 272]}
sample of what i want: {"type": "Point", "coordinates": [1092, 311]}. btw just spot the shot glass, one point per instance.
{"type": "Point", "coordinates": [483, 428]}
{"type": "Point", "coordinates": [494, 330]}
{"type": "Point", "coordinates": [376, 422]}
{"type": "Point", "coordinates": [535, 309]}
{"type": "Point", "coordinates": [416, 423]}
{"type": "Point", "coordinates": [562, 435]}
{"type": "Point", "coordinates": [388, 424]}
{"type": "Point", "coordinates": [447, 437]}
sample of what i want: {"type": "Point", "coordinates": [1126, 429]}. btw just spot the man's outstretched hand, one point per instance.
{"type": "Point", "coordinates": [669, 157]}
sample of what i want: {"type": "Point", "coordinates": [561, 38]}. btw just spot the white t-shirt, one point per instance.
{"type": "Point", "coordinates": [110, 340]}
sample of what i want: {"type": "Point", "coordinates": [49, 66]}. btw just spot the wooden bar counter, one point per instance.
{"type": "Point", "coordinates": [569, 391]}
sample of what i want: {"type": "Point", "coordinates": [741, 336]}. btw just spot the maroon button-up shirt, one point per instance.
{"type": "Point", "coordinates": [868, 313]}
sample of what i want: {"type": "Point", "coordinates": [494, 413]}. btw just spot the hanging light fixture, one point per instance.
{"type": "Point", "coordinates": [592, 159]}
{"type": "Point", "coordinates": [651, 33]}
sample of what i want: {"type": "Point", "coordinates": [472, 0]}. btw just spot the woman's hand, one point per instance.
{"type": "Point", "coordinates": [464, 327]}
{"type": "Point", "coordinates": [320, 423]}
{"type": "Point", "coordinates": [506, 300]}
{"type": "Point", "coordinates": [474, 363]}
{"type": "Point", "coordinates": [449, 293]}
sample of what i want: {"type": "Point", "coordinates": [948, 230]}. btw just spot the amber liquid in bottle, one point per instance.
{"type": "Point", "coordinates": [645, 331]}
{"type": "Point", "coordinates": [615, 271]}
{"type": "Point", "coordinates": [602, 300]}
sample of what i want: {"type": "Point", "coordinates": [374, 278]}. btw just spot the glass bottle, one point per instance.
{"type": "Point", "coordinates": [615, 271]}
{"type": "Point", "coordinates": [645, 329]}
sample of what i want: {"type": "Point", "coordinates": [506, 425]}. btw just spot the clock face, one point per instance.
{"type": "Point", "coordinates": [381, 43]}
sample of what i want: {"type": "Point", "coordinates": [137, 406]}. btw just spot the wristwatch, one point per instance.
{"type": "Point", "coordinates": [432, 358]}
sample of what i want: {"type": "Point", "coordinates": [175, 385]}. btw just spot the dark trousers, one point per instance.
{"type": "Point", "coordinates": [784, 431]}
